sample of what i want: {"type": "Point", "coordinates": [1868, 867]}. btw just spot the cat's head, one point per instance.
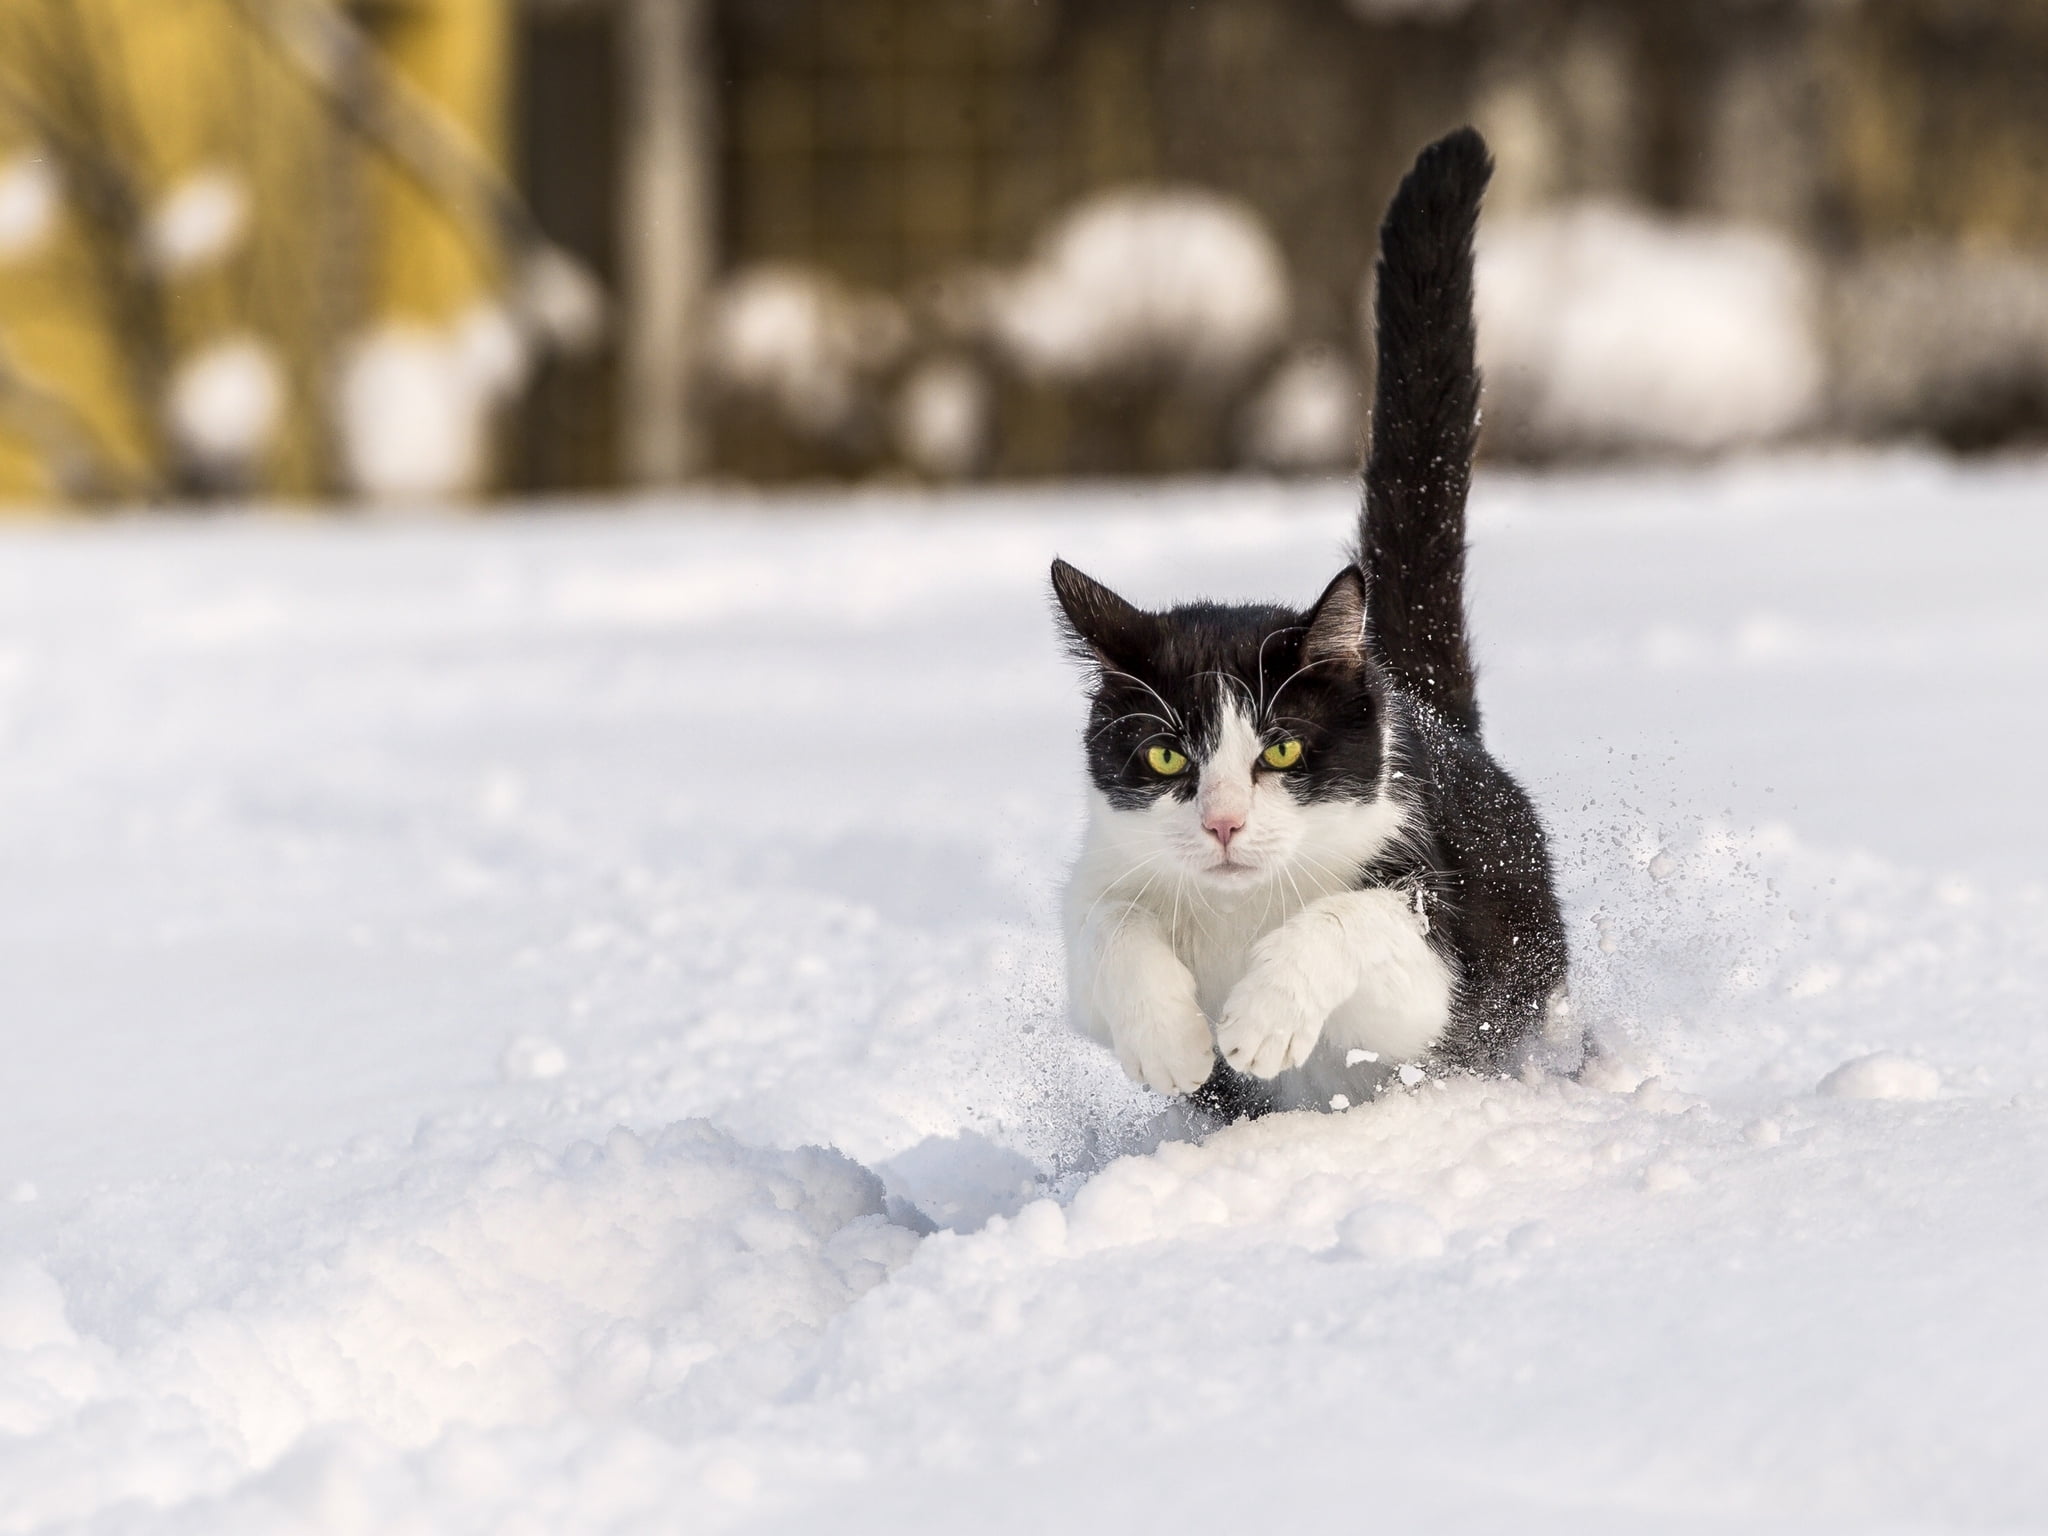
{"type": "Point", "coordinates": [1230, 742]}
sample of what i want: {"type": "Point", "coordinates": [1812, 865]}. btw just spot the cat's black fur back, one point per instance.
{"type": "Point", "coordinates": [1479, 854]}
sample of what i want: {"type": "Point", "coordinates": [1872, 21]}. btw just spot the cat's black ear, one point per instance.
{"type": "Point", "coordinates": [1336, 625]}
{"type": "Point", "coordinates": [1102, 626]}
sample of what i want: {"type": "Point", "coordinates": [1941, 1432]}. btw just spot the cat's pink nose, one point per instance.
{"type": "Point", "coordinates": [1224, 825]}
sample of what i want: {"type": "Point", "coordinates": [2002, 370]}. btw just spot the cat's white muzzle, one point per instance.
{"type": "Point", "coordinates": [1249, 859]}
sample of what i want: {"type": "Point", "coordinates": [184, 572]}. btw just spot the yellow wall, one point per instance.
{"type": "Point", "coordinates": [454, 53]}
{"type": "Point", "coordinates": [338, 239]}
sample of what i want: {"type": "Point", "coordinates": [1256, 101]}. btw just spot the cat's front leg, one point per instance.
{"type": "Point", "coordinates": [1360, 947]}
{"type": "Point", "coordinates": [1131, 988]}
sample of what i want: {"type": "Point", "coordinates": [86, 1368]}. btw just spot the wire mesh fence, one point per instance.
{"type": "Point", "coordinates": [406, 248]}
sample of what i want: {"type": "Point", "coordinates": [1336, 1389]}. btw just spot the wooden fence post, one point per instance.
{"type": "Point", "coordinates": [667, 236]}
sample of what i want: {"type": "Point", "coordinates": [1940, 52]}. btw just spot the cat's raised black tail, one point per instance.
{"type": "Point", "coordinates": [1425, 424]}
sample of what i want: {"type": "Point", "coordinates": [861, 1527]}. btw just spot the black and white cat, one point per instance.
{"type": "Point", "coordinates": [1294, 830]}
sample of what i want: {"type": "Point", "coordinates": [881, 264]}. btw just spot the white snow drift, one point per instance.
{"type": "Point", "coordinates": [466, 1073]}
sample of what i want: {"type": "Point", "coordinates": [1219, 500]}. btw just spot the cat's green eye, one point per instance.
{"type": "Point", "coordinates": [1166, 761]}
{"type": "Point", "coordinates": [1282, 754]}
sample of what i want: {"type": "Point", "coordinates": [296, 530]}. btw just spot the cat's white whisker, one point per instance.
{"type": "Point", "coordinates": [1172, 714]}
{"type": "Point", "coordinates": [1259, 663]}
{"type": "Point", "coordinates": [1110, 725]}
{"type": "Point", "coordinates": [1296, 673]}
{"type": "Point", "coordinates": [1115, 892]}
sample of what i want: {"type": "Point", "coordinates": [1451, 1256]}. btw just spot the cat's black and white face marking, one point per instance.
{"type": "Point", "coordinates": [1226, 739]}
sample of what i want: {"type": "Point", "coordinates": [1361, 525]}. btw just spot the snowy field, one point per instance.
{"type": "Point", "coordinates": [437, 954]}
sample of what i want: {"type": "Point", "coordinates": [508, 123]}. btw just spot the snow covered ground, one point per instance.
{"type": "Point", "coordinates": [436, 955]}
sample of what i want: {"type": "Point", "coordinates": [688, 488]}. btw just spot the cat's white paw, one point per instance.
{"type": "Point", "coordinates": [1164, 1043]}
{"type": "Point", "coordinates": [1267, 1025]}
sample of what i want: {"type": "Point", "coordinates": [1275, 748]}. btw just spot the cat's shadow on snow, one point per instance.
{"type": "Point", "coordinates": [956, 1183]}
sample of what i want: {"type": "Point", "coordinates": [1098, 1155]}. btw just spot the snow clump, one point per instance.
{"type": "Point", "coordinates": [31, 1310]}
{"type": "Point", "coordinates": [416, 403]}
{"type": "Point", "coordinates": [199, 222]}
{"type": "Point", "coordinates": [227, 401]}
{"type": "Point", "coordinates": [532, 1059]}
{"type": "Point", "coordinates": [1882, 1075]}
{"type": "Point", "coordinates": [1138, 279]}
{"type": "Point", "coordinates": [1391, 1232]}
{"type": "Point", "coordinates": [1604, 329]}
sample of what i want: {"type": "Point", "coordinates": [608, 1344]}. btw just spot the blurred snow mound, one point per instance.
{"type": "Point", "coordinates": [227, 401]}
{"type": "Point", "coordinates": [801, 341]}
{"type": "Point", "coordinates": [1172, 279]}
{"type": "Point", "coordinates": [943, 417]}
{"type": "Point", "coordinates": [1310, 415]}
{"type": "Point", "coordinates": [558, 301]}
{"type": "Point", "coordinates": [1605, 329]}
{"type": "Point", "coordinates": [198, 223]}
{"type": "Point", "coordinates": [416, 403]}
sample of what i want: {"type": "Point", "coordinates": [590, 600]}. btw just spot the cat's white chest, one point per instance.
{"type": "Point", "coordinates": [1216, 945]}
{"type": "Point", "coordinates": [1159, 957]}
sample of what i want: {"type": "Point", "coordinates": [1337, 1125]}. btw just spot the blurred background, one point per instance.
{"type": "Point", "coordinates": [402, 249]}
